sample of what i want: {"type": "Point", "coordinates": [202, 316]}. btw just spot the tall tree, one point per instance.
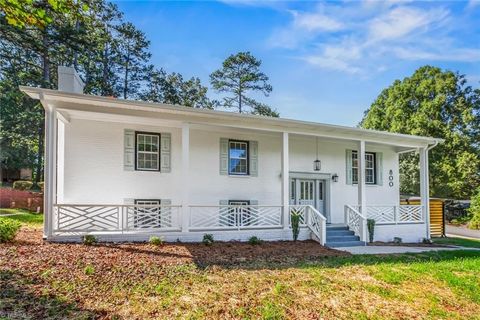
{"type": "Point", "coordinates": [437, 103]}
{"type": "Point", "coordinates": [173, 89]}
{"type": "Point", "coordinates": [35, 36]}
{"type": "Point", "coordinates": [239, 75]}
{"type": "Point", "coordinates": [133, 57]}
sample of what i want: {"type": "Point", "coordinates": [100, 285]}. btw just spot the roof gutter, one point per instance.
{"type": "Point", "coordinates": [429, 147]}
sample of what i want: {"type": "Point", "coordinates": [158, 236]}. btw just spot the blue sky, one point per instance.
{"type": "Point", "coordinates": [327, 61]}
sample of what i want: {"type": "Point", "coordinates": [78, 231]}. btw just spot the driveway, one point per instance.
{"type": "Point", "coordinates": [462, 232]}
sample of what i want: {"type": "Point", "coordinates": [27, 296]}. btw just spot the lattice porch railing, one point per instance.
{"type": "Point", "coordinates": [391, 214]}
{"type": "Point", "coordinates": [115, 218]}
{"type": "Point", "coordinates": [232, 217]}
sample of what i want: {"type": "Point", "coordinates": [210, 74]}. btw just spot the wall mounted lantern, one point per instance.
{"type": "Point", "coordinates": [317, 165]}
{"type": "Point", "coordinates": [335, 177]}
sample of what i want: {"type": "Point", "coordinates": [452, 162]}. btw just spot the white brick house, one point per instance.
{"type": "Point", "coordinates": [125, 170]}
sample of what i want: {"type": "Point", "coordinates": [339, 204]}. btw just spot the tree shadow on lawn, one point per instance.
{"type": "Point", "coordinates": [21, 297]}
{"type": "Point", "coordinates": [271, 255]}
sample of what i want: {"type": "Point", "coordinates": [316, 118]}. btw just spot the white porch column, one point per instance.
{"type": "Point", "coordinates": [185, 176]}
{"type": "Point", "coordinates": [425, 188]}
{"type": "Point", "coordinates": [285, 182]}
{"type": "Point", "coordinates": [50, 168]}
{"type": "Point", "coordinates": [362, 197]}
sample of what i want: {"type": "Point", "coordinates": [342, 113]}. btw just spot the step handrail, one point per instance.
{"type": "Point", "coordinates": [317, 223]}
{"type": "Point", "coordinates": [356, 222]}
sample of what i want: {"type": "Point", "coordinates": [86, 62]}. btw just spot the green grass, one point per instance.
{"type": "Point", "coordinates": [430, 285]}
{"type": "Point", "coordinates": [26, 218]}
{"type": "Point", "coordinates": [469, 243]}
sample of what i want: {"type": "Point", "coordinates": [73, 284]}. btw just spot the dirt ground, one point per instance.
{"type": "Point", "coordinates": [29, 248]}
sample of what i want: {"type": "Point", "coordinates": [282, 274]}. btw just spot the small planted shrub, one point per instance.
{"type": "Point", "coordinates": [22, 185]}
{"type": "Point", "coordinates": [41, 185]}
{"type": "Point", "coordinates": [474, 211]}
{"type": "Point", "coordinates": [8, 229]}
{"type": "Point", "coordinates": [89, 240]}
{"type": "Point", "coordinates": [157, 241]}
{"type": "Point", "coordinates": [254, 240]}
{"type": "Point", "coordinates": [371, 229]}
{"type": "Point", "coordinates": [89, 270]}
{"type": "Point", "coordinates": [208, 239]}
{"type": "Point", "coordinates": [295, 220]}
{"type": "Point", "coordinates": [397, 240]}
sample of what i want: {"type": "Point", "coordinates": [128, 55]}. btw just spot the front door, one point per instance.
{"type": "Point", "coordinates": [308, 192]}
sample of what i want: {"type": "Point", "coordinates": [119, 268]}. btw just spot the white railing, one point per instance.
{"type": "Point", "coordinates": [313, 219]}
{"type": "Point", "coordinates": [392, 214]}
{"type": "Point", "coordinates": [300, 210]}
{"type": "Point", "coordinates": [79, 218]}
{"type": "Point", "coordinates": [356, 222]}
{"type": "Point", "coordinates": [233, 217]}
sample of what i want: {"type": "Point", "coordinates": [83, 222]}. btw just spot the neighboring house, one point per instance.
{"type": "Point", "coordinates": [12, 175]}
{"type": "Point", "coordinates": [125, 170]}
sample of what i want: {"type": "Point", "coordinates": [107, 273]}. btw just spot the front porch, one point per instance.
{"type": "Point", "coordinates": [226, 223]}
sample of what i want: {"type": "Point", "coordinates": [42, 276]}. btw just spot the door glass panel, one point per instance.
{"type": "Point", "coordinates": [320, 190]}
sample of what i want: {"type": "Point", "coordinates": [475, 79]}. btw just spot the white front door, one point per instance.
{"type": "Point", "coordinates": [308, 192]}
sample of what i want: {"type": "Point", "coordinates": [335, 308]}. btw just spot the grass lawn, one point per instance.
{"type": "Point", "coordinates": [140, 281]}
{"type": "Point", "coordinates": [27, 218]}
{"type": "Point", "coordinates": [470, 243]}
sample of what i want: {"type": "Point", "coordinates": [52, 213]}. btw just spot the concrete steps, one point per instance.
{"type": "Point", "coordinates": [341, 236]}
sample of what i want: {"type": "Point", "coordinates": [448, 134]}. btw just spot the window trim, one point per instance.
{"type": "Point", "coordinates": [237, 214]}
{"type": "Point", "coordinates": [158, 152]}
{"type": "Point", "coordinates": [374, 182]}
{"type": "Point", "coordinates": [230, 173]}
{"type": "Point", "coordinates": [137, 221]}
{"type": "Point", "coordinates": [151, 200]}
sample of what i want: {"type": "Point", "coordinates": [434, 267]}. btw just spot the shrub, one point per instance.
{"type": "Point", "coordinates": [89, 240]}
{"type": "Point", "coordinates": [157, 241]}
{"type": "Point", "coordinates": [371, 229]}
{"type": "Point", "coordinates": [22, 185]}
{"type": "Point", "coordinates": [295, 220]}
{"type": "Point", "coordinates": [208, 239]}
{"type": "Point", "coordinates": [89, 270]}
{"type": "Point", "coordinates": [8, 229]}
{"type": "Point", "coordinates": [41, 185]}
{"type": "Point", "coordinates": [397, 240]}
{"type": "Point", "coordinates": [474, 211]}
{"type": "Point", "coordinates": [254, 240]}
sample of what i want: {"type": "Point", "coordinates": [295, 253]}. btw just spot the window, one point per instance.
{"type": "Point", "coordinates": [147, 147]}
{"type": "Point", "coordinates": [370, 167]}
{"type": "Point", "coordinates": [148, 216]}
{"type": "Point", "coordinates": [238, 216]}
{"type": "Point", "coordinates": [238, 157]}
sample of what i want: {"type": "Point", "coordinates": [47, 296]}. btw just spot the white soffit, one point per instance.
{"type": "Point", "coordinates": [111, 106]}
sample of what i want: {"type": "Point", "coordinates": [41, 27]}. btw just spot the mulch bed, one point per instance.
{"type": "Point", "coordinates": [29, 248]}
{"type": "Point", "coordinates": [34, 272]}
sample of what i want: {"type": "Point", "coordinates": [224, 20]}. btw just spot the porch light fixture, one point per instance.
{"type": "Point", "coordinates": [317, 165]}
{"type": "Point", "coordinates": [335, 177]}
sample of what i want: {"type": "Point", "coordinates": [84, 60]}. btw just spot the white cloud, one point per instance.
{"type": "Point", "coordinates": [462, 55]}
{"type": "Point", "coordinates": [303, 28]}
{"type": "Point", "coordinates": [365, 37]}
{"type": "Point", "coordinates": [402, 21]}
{"type": "Point", "coordinates": [316, 22]}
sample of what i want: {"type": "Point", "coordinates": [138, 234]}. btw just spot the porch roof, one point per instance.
{"type": "Point", "coordinates": [72, 102]}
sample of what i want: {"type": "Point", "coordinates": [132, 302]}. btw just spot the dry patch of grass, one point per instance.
{"type": "Point", "coordinates": [141, 281]}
